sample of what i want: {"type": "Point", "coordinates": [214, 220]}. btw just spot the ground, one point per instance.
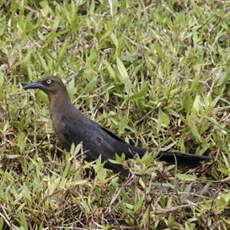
{"type": "Point", "coordinates": [156, 73]}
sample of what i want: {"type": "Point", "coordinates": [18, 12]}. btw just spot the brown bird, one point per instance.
{"type": "Point", "coordinates": [71, 127]}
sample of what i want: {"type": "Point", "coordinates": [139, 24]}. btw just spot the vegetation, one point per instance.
{"type": "Point", "coordinates": [154, 72]}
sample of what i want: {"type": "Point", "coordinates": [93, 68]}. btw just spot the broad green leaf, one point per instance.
{"type": "Point", "coordinates": [192, 126]}
{"type": "Point", "coordinates": [13, 156]}
{"type": "Point", "coordinates": [164, 119]}
{"type": "Point", "coordinates": [110, 69]}
{"type": "Point", "coordinates": [1, 78]}
{"type": "Point", "coordinates": [100, 170]}
{"type": "Point", "coordinates": [197, 104]}
{"type": "Point", "coordinates": [123, 76]}
{"type": "Point", "coordinates": [223, 78]}
{"type": "Point", "coordinates": [21, 141]}
{"type": "Point", "coordinates": [114, 39]}
{"type": "Point", "coordinates": [186, 177]}
{"type": "Point", "coordinates": [187, 102]}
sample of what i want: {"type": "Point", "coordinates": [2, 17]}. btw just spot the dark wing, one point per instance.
{"type": "Point", "coordinates": [110, 133]}
{"type": "Point", "coordinates": [95, 138]}
{"type": "Point", "coordinates": [96, 141]}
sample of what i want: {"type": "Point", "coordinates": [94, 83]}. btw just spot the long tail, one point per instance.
{"type": "Point", "coordinates": [182, 159]}
{"type": "Point", "coordinates": [191, 160]}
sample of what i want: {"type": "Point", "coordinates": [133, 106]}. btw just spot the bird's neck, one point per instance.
{"type": "Point", "coordinates": [59, 100]}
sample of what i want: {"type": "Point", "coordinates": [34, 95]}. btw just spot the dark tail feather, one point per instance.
{"type": "Point", "coordinates": [190, 160]}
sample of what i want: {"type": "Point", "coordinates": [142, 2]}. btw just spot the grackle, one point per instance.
{"type": "Point", "coordinates": [71, 127]}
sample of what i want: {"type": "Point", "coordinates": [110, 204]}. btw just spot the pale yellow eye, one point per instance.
{"type": "Point", "coordinates": [48, 82]}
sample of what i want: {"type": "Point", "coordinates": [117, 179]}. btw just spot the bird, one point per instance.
{"type": "Point", "coordinates": [72, 127]}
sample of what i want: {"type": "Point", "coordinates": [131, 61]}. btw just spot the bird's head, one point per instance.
{"type": "Point", "coordinates": [50, 85]}
{"type": "Point", "coordinates": [53, 87]}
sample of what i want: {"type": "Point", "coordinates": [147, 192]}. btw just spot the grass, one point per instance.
{"type": "Point", "coordinates": [154, 72]}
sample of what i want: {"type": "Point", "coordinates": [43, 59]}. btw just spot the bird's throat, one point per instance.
{"type": "Point", "coordinates": [58, 101]}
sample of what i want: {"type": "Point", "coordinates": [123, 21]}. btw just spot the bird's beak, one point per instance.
{"type": "Point", "coordinates": [34, 85]}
